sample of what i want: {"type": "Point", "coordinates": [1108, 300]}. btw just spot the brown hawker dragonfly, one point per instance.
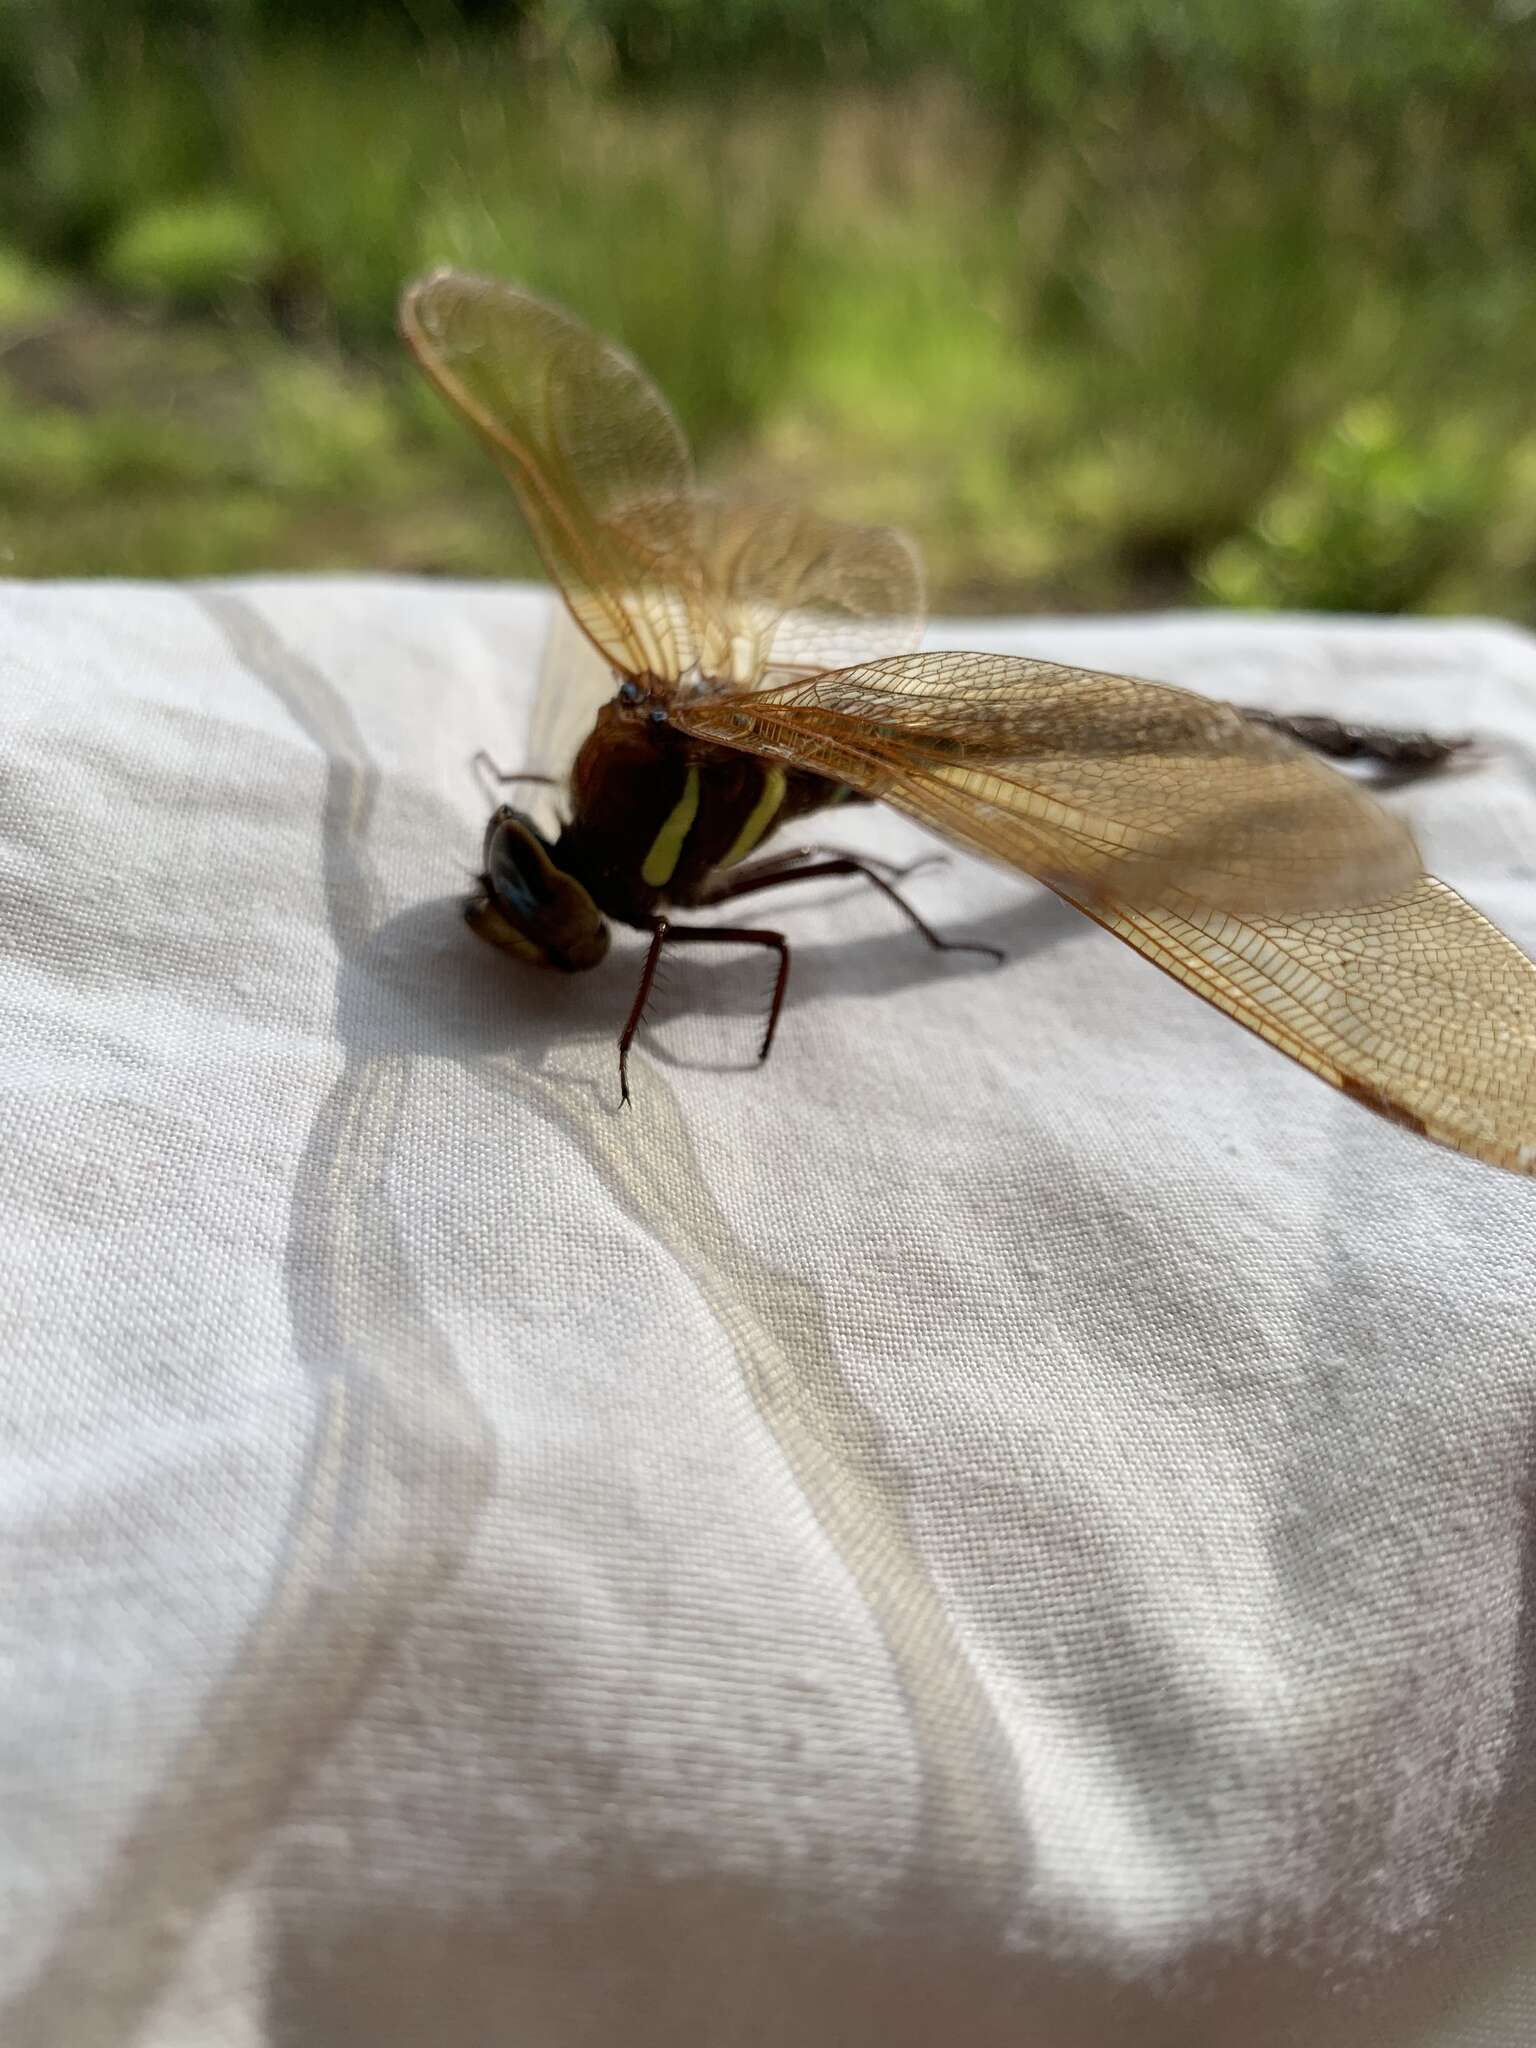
{"type": "Point", "coordinates": [765, 668]}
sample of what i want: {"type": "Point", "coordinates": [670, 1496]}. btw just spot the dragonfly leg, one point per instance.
{"type": "Point", "coordinates": [776, 868]}
{"type": "Point", "coordinates": [663, 933]}
{"type": "Point", "coordinates": [893, 870]}
{"type": "Point", "coordinates": [659, 930]}
{"type": "Point", "coordinates": [486, 769]}
{"type": "Point", "coordinates": [1398, 753]}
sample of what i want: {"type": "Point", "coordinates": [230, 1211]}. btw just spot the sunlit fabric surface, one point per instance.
{"type": "Point", "coordinates": [1007, 1525]}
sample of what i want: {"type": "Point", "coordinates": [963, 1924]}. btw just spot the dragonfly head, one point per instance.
{"type": "Point", "coordinates": [530, 907]}
{"type": "Point", "coordinates": [637, 698]}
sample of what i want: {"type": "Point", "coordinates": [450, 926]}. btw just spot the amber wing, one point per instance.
{"type": "Point", "coordinates": [599, 463]}
{"type": "Point", "coordinates": [1263, 880]}
{"type": "Point", "coordinates": [666, 582]}
{"type": "Point", "coordinates": [784, 592]}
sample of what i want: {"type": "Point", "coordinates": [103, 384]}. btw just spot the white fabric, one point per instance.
{"type": "Point", "coordinates": [1008, 1524]}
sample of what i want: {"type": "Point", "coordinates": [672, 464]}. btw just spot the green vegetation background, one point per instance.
{"type": "Point", "coordinates": [1110, 302]}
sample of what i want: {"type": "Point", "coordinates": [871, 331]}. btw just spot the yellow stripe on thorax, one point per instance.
{"type": "Point", "coordinates": [667, 847]}
{"type": "Point", "coordinates": [759, 818]}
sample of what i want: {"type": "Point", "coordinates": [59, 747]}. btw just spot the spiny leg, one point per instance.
{"type": "Point", "coordinates": [659, 933]}
{"type": "Point", "coordinates": [775, 869]}
{"type": "Point", "coordinates": [1399, 753]}
{"type": "Point", "coordinates": [663, 931]}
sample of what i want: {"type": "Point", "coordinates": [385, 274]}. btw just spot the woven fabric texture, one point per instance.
{"type": "Point", "coordinates": [1008, 1524]}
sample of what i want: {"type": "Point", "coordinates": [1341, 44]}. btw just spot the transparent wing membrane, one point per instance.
{"type": "Point", "coordinates": [1261, 879]}
{"type": "Point", "coordinates": [667, 583]}
{"type": "Point", "coordinates": [785, 592]}
{"type": "Point", "coordinates": [599, 463]}
{"type": "Point", "coordinates": [575, 680]}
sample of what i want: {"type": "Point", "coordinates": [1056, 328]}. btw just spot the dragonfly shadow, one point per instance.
{"type": "Point", "coordinates": [874, 964]}
{"type": "Point", "coordinates": [421, 983]}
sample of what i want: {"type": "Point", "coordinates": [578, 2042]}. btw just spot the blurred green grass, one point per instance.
{"type": "Point", "coordinates": [1110, 306]}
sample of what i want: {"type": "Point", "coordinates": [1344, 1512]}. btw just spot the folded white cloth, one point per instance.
{"type": "Point", "coordinates": [1006, 1525]}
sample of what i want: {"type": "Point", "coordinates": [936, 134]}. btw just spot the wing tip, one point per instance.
{"type": "Point", "coordinates": [417, 294]}
{"type": "Point", "coordinates": [411, 305]}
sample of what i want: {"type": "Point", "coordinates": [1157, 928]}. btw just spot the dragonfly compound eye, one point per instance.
{"type": "Point", "coordinates": [553, 918]}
